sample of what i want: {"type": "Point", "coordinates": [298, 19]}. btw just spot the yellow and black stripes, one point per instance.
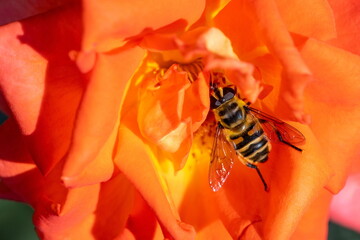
{"type": "Point", "coordinates": [230, 114]}
{"type": "Point", "coordinates": [241, 129]}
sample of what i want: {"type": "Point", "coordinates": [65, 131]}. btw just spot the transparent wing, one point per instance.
{"type": "Point", "coordinates": [222, 160]}
{"type": "Point", "coordinates": [276, 129]}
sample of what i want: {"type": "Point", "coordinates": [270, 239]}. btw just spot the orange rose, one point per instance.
{"type": "Point", "coordinates": [117, 149]}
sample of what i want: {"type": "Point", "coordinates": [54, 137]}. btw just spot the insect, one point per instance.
{"type": "Point", "coordinates": [243, 133]}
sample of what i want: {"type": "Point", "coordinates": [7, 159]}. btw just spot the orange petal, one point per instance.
{"type": "Point", "coordinates": [263, 25]}
{"type": "Point", "coordinates": [160, 113]}
{"type": "Point", "coordinates": [314, 223]}
{"type": "Point", "coordinates": [193, 196]}
{"type": "Point", "coordinates": [347, 17]}
{"type": "Point", "coordinates": [344, 207]}
{"type": "Point", "coordinates": [37, 78]}
{"type": "Point", "coordinates": [134, 162]}
{"type": "Point", "coordinates": [20, 179]}
{"type": "Point", "coordinates": [142, 220]}
{"type": "Point", "coordinates": [293, 177]}
{"type": "Point", "coordinates": [218, 55]}
{"type": "Point", "coordinates": [97, 118]}
{"type": "Point", "coordinates": [245, 34]}
{"type": "Point", "coordinates": [73, 219]}
{"type": "Point", "coordinates": [240, 74]}
{"type": "Point", "coordinates": [333, 101]}
{"type": "Point", "coordinates": [168, 120]}
{"type": "Point", "coordinates": [116, 200]}
{"type": "Point", "coordinates": [11, 12]}
{"type": "Point", "coordinates": [53, 219]}
{"type": "Point", "coordinates": [117, 20]}
{"type": "Point", "coordinates": [308, 17]}
{"type": "Point", "coordinates": [296, 73]}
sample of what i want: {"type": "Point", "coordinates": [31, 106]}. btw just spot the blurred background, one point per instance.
{"type": "Point", "coordinates": [16, 224]}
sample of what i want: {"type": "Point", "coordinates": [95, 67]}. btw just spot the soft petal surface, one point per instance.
{"type": "Point", "coordinates": [59, 213]}
{"type": "Point", "coordinates": [191, 193]}
{"type": "Point", "coordinates": [268, 33]}
{"type": "Point", "coordinates": [134, 161]}
{"type": "Point", "coordinates": [347, 19]}
{"type": "Point", "coordinates": [332, 100]}
{"type": "Point", "coordinates": [311, 18]}
{"type": "Point", "coordinates": [12, 11]}
{"type": "Point", "coordinates": [113, 21]}
{"type": "Point", "coordinates": [294, 178]}
{"type": "Point", "coordinates": [345, 208]}
{"type": "Point", "coordinates": [20, 179]}
{"type": "Point", "coordinates": [98, 116]}
{"type": "Point", "coordinates": [37, 78]}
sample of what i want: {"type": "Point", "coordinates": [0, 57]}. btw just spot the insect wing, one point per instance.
{"type": "Point", "coordinates": [273, 127]}
{"type": "Point", "coordinates": [222, 160]}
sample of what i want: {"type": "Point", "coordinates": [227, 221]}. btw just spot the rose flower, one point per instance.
{"type": "Point", "coordinates": [110, 130]}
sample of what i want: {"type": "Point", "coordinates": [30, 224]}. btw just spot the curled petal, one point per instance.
{"type": "Point", "coordinates": [97, 117]}
{"type": "Point", "coordinates": [204, 41]}
{"type": "Point", "coordinates": [168, 120]}
{"type": "Point", "coordinates": [217, 53]}
{"type": "Point", "coordinates": [37, 78]}
{"type": "Point", "coordinates": [296, 72]}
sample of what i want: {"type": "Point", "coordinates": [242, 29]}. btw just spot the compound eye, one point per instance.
{"type": "Point", "coordinates": [228, 94]}
{"type": "Point", "coordinates": [214, 103]}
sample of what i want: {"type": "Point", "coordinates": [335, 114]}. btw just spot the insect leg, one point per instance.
{"type": "Point", "coordinates": [262, 179]}
{"type": "Point", "coordinates": [278, 134]}
{"type": "Point", "coordinates": [260, 175]}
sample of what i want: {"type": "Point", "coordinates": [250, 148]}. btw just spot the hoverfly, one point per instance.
{"type": "Point", "coordinates": [242, 133]}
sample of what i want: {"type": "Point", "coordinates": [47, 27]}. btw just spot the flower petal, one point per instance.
{"type": "Point", "coordinates": [217, 53]}
{"type": "Point", "coordinates": [345, 209]}
{"type": "Point", "coordinates": [37, 78]}
{"type": "Point", "coordinates": [142, 220]}
{"type": "Point", "coordinates": [347, 18]}
{"type": "Point", "coordinates": [70, 218]}
{"type": "Point", "coordinates": [263, 31]}
{"type": "Point", "coordinates": [237, 22]}
{"type": "Point", "coordinates": [116, 200]}
{"type": "Point", "coordinates": [56, 210]}
{"type": "Point", "coordinates": [97, 117]}
{"type": "Point", "coordinates": [19, 176]}
{"type": "Point", "coordinates": [117, 20]}
{"type": "Point", "coordinates": [192, 194]}
{"type": "Point", "coordinates": [134, 162]}
{"type": "Point", "coordinates": [296, 73]}
{"type": "Point", "coordinates": [11, 11]}
{"type": "Point", "coordinates": [168, 120]}
{"type": "Point", "coordinates": [311, 18]}
{"type": "Point", "coordinates": [333, 101]}
{"type": "Point", "coordinates": [294, 179]}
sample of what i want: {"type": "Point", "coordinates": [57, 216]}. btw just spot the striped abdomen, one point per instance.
{"type": "Point", "coordinates": [243, 131]}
